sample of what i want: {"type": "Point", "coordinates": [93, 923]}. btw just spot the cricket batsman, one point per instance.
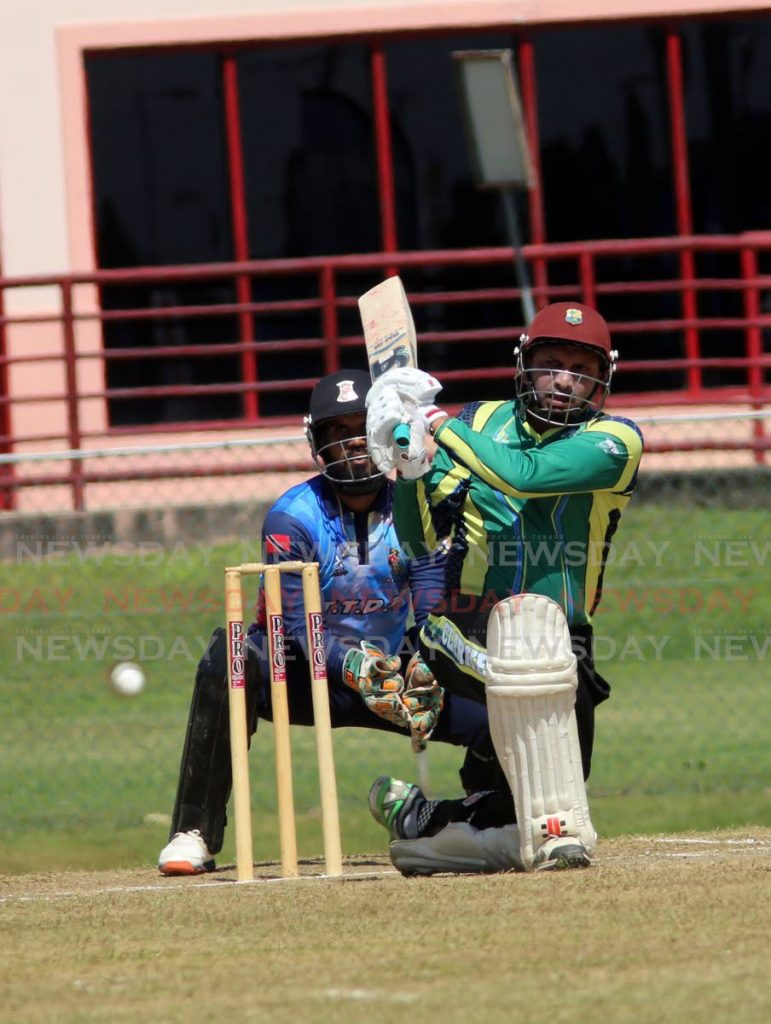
{"type": "Point", "coordinates": [526, 496]}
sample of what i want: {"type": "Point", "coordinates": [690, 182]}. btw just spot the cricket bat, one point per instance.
{"type": "Point", "coordinates": [389, 334]}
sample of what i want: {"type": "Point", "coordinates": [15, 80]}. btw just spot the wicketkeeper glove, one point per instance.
{"type": "Point", "coordinates": [376, 677]}
{"type": "Point", "coordinates": [423, 698]}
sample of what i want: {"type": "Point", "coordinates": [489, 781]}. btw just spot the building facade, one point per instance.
{"type": "Point", "coordinates": [307, 136]}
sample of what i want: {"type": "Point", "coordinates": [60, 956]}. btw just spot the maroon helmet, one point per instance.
{"type": "Point", "coordinates": [564, 323]}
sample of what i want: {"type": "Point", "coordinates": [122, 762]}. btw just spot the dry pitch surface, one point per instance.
{"type": "Point", "coordinates": [659, 929]}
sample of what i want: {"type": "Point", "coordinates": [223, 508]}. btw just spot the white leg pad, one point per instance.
{"type": "Point", "coordinates": [531, 691]}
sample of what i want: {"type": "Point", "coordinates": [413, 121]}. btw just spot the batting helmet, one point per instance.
{"type": "Point", "coordinates": [339, 394]}
{"type": "Point", "coordinates": [565, 323]}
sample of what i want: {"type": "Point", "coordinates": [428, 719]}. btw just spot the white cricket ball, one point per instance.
{"type": "Point", "coordinates": [127, 679]}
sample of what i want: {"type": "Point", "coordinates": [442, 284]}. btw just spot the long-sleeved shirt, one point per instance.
{"type": "Point", "coordinates": [521, 511]}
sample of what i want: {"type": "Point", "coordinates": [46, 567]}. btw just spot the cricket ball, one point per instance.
{"type": "Point", "coordinates": [127, 679]}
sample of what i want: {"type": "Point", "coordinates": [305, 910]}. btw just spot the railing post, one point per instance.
{"type": "Point", "coordinates": [587, 278]}
{"type": "Point", "coordinates": [330, 320]}
{"type": "Point", "coordinates": [527, 82]}
{"type": "Point", "coordinates": [71, 394]}
{"type": "Point", "coordinates": [753, 343]}
{"type": "Point", "coordinates": [240, 230]}
{"type": "Point", "coordinates": [683, 207]}
{"type": "Point", "coordinates": [383, 151]}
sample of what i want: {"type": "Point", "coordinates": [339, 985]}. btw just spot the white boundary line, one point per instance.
{"type": "Point", "coordinates": [763, 843]}
{"type": "Point", "coordinates": [188, 885]}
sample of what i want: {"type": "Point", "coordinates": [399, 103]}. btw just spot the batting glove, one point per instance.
{"type": "Point", "coordinates": [382, 416]}
{"type": "Point", "coordinates": [414, 387]}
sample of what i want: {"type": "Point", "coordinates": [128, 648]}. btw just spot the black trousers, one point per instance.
{"type": "Point", "coordinates": [205, 777]}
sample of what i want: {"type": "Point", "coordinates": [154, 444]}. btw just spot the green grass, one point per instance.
{"type": "Point", "coordinates": [682, 744]}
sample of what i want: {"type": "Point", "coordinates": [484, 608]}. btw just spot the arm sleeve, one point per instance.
{"type": "Point", "coordinates": [602, 457]}
{"type": "Point", "coordinates": [426, 583]}
{"type": "Point", "coordinates": [412, 518]}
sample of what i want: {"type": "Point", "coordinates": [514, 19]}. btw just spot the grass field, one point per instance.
{"type": "Point", "coordinates": [667, 929]}
{"type": "Point", "coordinates": [683, 634]}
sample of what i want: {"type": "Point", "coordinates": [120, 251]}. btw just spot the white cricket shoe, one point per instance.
{"type": "Point", "coordinates": [461, 849]}
{"type": "Point", "coordinates": [186, 854]}
{"type": "Point", "coordinates": [561, 852]}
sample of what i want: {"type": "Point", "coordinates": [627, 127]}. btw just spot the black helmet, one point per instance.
{"type": "Point", "coordinates": [340, 394]}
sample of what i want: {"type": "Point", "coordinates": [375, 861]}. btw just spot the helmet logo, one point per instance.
{"type": "Point", "coordinates": [574, 316]}
{"type": "Point", "coordinates": [345, 391]}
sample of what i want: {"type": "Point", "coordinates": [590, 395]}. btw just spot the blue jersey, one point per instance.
{"type": "Point", "coordinates": [369, 585]}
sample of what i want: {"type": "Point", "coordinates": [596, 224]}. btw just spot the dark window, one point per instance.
{"type": "Point", "coordinates": [309, 158]}
{"type": "Point", "coordinates": [311, 183]}
{"type": "Point", "coordinates": [603, 116]}
{"type": "Point", "coordinates": [439, 205]}
{"type": "Point", "coordinates": [604, 124]}
{"type": "Point", "coordinates": [728, 118]}
{"type": "Point", "coordinates": [162, 196]}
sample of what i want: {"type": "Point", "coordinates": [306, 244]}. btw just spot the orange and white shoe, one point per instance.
{"type": "Point", "coordinates": [186, 854]}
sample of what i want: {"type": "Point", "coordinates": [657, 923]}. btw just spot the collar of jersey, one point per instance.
{"type": "Point", "coordinates": [335, 506]}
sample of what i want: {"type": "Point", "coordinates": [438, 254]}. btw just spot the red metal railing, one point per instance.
{"type": "Point", "coordinates": [582, 264]}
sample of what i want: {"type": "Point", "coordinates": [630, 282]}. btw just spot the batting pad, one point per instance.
{"type": "Point", "coordinates": [531, 691]}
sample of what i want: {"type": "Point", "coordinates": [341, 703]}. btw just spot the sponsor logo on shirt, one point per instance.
{"type": "Point", "coordinates": [608, 445]}
{"type": "Point", "coordinates": [357, 606]}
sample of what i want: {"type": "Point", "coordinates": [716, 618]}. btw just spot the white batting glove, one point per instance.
{"type": "Point", "coordinates": [415, 387]}
{"type": "Point", "coordinates": [382, 417]}
{"type": "Point", "coordinates": [412, 462]}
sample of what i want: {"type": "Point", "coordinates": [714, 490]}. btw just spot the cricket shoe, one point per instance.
{"type": "Point", "coordinates": [461, 849]}
{"type": "Point", "coordinates": [561, 852]}
{"type": "Point", "coordinates": [400, 807]}
{"type": "Point", "coordinates": [186, 854]}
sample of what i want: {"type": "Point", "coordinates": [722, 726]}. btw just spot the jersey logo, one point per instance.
{"type": "Point", "coordinates": [609, 446]}
{"type": "Point", "coordinates": [398, 568]}
{"type": "Point", "coordinates": [277, 544]}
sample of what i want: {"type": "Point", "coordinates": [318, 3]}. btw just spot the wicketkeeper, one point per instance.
{"type": "Point", "coordinates": [342, 519]}
{"type": "Point", "coordinates": [526, 496]}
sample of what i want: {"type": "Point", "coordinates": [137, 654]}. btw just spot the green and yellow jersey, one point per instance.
{"type": "Point", "coordinates": [520, 511]}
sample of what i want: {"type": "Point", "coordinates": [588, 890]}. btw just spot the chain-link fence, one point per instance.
{"type": "Point", "coordinates": [683, 635]}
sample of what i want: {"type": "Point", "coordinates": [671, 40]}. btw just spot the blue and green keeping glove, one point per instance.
{"type": "Point", "coordinates": [377, 677]}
